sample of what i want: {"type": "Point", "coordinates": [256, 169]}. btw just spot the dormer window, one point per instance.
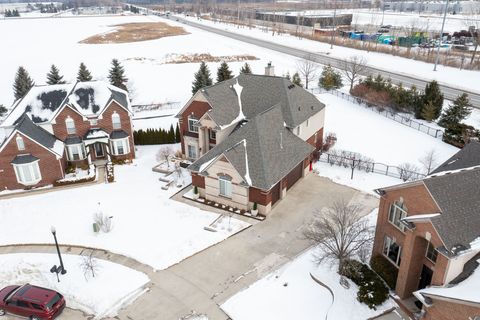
{"type": "Point", "coordinates": [70, 124]}
{"type": "Point", "coordinates": [116, 121]}
{"type": "Point", "coordinates": [191, 125]}
{"type": "Point", "coordinates": [213, 134]}
{"type": "Point", "coordinates": [20, 143]}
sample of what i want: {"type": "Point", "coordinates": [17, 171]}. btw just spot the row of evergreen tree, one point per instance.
{"type": "Point", "coordinates": [156, 136]}
{"type": "Point", "coordinates": [11, 13]}
{"type": "Point", "coordinates": [23, 82]}
{"type": "Point", "coordinates": [203, 78]}
{"type": "Point", "coordinates": [131, 8]}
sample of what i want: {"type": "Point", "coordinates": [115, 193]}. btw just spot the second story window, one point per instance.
{"type": "Point", "coordinates": [20, 143]}
{"type": "Point", "coordinates": [191, 125]}
{"type": "Point", "coordinates": [431, 253]}
{"type": "Point", "coordinates": [213, 134]}
{"type": "Point", "coordinates": [398, 211]}
{"type": "Point", "coordinates": [116, 124]}
{"type": "Point", "coordinates": [70, 124]}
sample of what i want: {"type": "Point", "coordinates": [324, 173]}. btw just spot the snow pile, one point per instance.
{"type": "Point", "coordinates": [113, 287]}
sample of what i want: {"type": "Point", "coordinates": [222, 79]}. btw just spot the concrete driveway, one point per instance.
{"type": "Point", "coordinates": [204, 281]}
{"type": "Point", "coordinates": [201, 283]}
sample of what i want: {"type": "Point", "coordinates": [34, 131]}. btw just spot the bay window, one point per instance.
{"type": "Point", "coordinates": [225, 187]}
{"type": "Point", "coordinates": [28, 173]}
{"type": "Point", "coordinates": [120, 147]}
{"type": "Point", "coordinates": [76, 152]}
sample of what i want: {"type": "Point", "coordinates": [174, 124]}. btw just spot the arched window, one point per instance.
{"type": "Point", "coordinates": [70, 124]}
{"type": "Point", "coordinates": [20, 143]}
{"type": "Point", "coordinates": [116, 121]}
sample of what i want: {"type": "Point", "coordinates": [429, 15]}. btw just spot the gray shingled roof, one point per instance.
{"type": "Point", "coordinates": [23, 159]}
{"type": "Point", "coordinates": [458, 196]}
{"type": "Point", "coordinates": [38, 134]}
{"type": "Point", "coordinates": [73, 140]}
{"type": "Point", "coordinates": [271, 149]}
{"type": "Point", "coordinates": [259, 94]}
{"type": "Point", "coordinates": [118, 134]}
{"type": "Point", "coordinates": [467, 157]}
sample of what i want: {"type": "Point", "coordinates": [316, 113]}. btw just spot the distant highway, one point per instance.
{"type": "Point", "coordinates": [449, 92]}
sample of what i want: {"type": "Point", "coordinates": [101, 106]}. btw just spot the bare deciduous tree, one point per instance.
{"type": "Point", "coordinates": [353, 67]}
{"type": "Point", "coordinates": [340, 233]}
{"type": "Point", "coordinates": [429, 161]}
{"type": "Point", "coordinates": [472, 22]}
{"type": "Point", "coordinates": [164, 153]}
{"type": "Point", "coordinates": [89, 265]}
{"type": "Point", "coordinates": [307, 68]}
{"type": "Point", "coordinates": [408, 171]}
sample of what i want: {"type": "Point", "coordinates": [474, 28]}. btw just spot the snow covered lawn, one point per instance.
{"type": "Point", "coordinates": [291, 293]}
{"type": "Point", "coordinates": [147, 225]}
{"type": "Point", "coordinates": [113, 287]}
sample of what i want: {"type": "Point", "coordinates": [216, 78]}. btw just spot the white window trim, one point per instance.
{"type": "Point", "coordinates": [192, 128]}
{"type": "Point", "coordinates": [402, 211]}
{"type": "Point", "coordinates": [390, 240]}
{"type": "Point", "coordinates": [80, 147]}
{"type": "Point", "coordinates": [213, 132]}
{"type": "Point", "coordinates": [116, 125]}
{"type": "Point", "coordinates": [32, 166]}
{"type": "Point", "coordinates": [73, 129]}
{"type": "Point", "coordinates": [114, 146]}
{"type": "Point", "coordinates": [188, 151]}
{"type": "Point", "coordinates": [426, 252]}
{"type": "Point", "coordinates": [93, 122]}
{"type": "Point", "coordinates": [227, 186]}
{"type": "Point", "coordinates": [21, 145]}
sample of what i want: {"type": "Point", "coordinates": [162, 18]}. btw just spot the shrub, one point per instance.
{"type": "Point", "coordinates": [371, 288]}
{"type": "Point", "coordinates": [385, 269]}
{"type": "Point", "coordinates": [195, 190]}
{"type": "Point", "coordinates": [110, 173]}
{"type": "Point", "coordinates": [255, 206]}
{"type": "Point", "coordinates": [460, 134]}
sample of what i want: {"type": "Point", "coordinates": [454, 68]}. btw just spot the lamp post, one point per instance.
{"type": "Point", "coordinates": [57, 269]}
{"type": "Point", "coordinates": [441, 36]}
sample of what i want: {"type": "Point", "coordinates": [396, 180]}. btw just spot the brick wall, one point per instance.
{"type": "Point", "coordinates": [105, 123]}
{"type": "Point", "coordinates": [198, 181]}
{"type": "Point", "coordinates": [418, 201]}
{"type": "Point", "coordinates": [196, 109]}
{"type": "Point", "coordinates": [318, 144]}
{"type": "Point", "coordinates": [51, 169]}
{"type": "Point", "coordinates": [446, 310]}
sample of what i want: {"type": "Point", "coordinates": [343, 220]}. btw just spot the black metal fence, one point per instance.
{"type": "Point", "coordinates": [382, 110]}
{"type": "Point", "coordinates": [400, 172]}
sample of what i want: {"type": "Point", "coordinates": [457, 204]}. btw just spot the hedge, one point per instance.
{"type": "Point", "coordinates": [385, 269]}
{"type": "Point", "coordinates": [156, 136]}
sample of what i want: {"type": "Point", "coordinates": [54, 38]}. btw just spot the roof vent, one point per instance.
{"type": "Point", "coordinates": [298, 108]}
{"type": "Point", "coordinates": [291, 86]}
{"type": "Point", "coordinates": [311, 107]}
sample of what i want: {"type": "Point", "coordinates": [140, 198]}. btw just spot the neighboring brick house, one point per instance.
{"type": "Point", "coordinates": [429, 231]}
{"type": "Point", "coordinates": [251, 138]}
{"type": "Point", "coordinates": [59, 124]}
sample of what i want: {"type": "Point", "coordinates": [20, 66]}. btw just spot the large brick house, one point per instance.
{"type": "Point", "coordinates": [429, 231]}
{"type": "Point", "coordinates": [250, 139]}
{"type": "Point", "coordinates": [58, 124]}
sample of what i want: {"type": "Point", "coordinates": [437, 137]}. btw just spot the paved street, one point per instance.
{"type": "Point", "coordinates": [204, 281]}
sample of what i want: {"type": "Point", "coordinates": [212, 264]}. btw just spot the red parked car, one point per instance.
{"type": "Point", "coordinates": [31, 301]}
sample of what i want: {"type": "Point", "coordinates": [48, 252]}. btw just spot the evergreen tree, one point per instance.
{"type": "Point", "coordinates": [54, 77]}
{"type": "Point", "coordinates": [224, 72]}
{"type": "Point", "coordinates": [297, 80]}
{"type": "Point", "coordinates": [83, 73]}
{"type": "Point", "coordinates": [22, 83]}
{"type": "Point", "coordinates": [117, 75]}
{"type": "Point", "coordinates": [202, 78]}
{"type": "Point", "coordinates": [330, 79]}
{"type": "Point", "coordinates": [171, 134]}
{"type": "Point", "coordinates": [456, 112]}
{"type": "Point", "coordinates": [3, 110]}
{"type": "Point", "coordinates": [429, 111]}
{"type": "Point", "coordinates": [287, 76]}
{"type": "Point", "coordinates": [245, 69]}
{"type": "Point", "coordinates": [177, 134]}
{"type": "Point", "coordinates": [432, 98]}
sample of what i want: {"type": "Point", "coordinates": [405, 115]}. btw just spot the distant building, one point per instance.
{"type": "Point", "coordinates": [433, 6]}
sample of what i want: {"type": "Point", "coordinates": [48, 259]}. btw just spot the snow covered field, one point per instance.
{"type": "Point", "coordinates": [459, 78]}
{"type": "Point", "coordinates": [113, 287]}
{"type": "Point", "coordinates": [147, 225]}
{"type": "Point", "coordinates": [151, 80]}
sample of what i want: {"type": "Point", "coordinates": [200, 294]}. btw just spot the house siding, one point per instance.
{"type": "Point", "coordinates": [446, 310]}
{"type": "Point", "coordinates": [197, 109]}
{"type": "Point", "coordinates": [413, 242]}
{"type": "Point", "coordinates": [51, 168]}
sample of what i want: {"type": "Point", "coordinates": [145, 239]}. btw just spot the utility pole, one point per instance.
{"type": "Point", "coordinates": [238, 14]}
{"type": "Point", "coordinates": [441, 36]}
{"type": "Point", "coordinates": [334, 23]}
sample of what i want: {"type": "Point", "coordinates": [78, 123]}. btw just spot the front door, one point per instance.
{"type": "Point", "coordinates": [99, 153]}
{"type": "Point", "coordinates": [425, 277]}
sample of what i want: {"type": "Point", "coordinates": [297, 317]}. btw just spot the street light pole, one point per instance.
{"type": "Point", "coordinates": [334, 23]}
{"type": "Point", "coordinates": [60, 269]}
{"type": "Point", "coordinates": [441, 36]}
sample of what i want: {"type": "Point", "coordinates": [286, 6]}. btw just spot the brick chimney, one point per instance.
{"type": "Point", "coordinates": [269, 69]}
